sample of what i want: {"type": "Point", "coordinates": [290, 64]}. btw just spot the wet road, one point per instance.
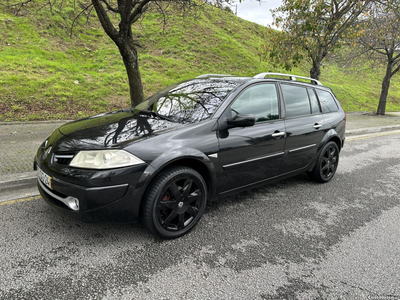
{"type": "Point", "coordinates": [291, 240]}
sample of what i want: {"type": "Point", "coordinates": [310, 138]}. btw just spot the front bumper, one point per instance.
{"type": "Point", "coordinates": [109, 195]}
{"type": "Point", "coordinates": [118, 202]}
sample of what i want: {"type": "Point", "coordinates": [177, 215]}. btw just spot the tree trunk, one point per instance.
{"type": "Point", "coordinates": [315, 71]}
{"type": "Point", "coordinates": [385, 89]}
{"type": "Point", "coordinates": [124, 41]}
{"type": "Point", "coordinates": [130, 58]}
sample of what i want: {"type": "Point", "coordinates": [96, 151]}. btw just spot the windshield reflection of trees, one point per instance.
{"type": "Point", "coordinates": [140, 128]}
{"type": "Point", "coordinates": [193, 101]}
{"type": "Point", "coordinates": [186, 103]}
{"type": "Point", "coordinates": [189, 102]}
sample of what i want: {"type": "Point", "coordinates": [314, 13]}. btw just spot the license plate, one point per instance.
{"type": "Point", "coordinates": [43, 177]}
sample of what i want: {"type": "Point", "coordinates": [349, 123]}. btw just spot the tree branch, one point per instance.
{"type": "Point", "coordinates": [164, 15]}
{"type": "Point", "coordinates": [396, 56]}
{"type": "Point", "coordinates": [105, 20]}
{"type": "Point", "coordinates": [77, 16]}
{"type": "Point", "coordinates": [109, 7]}
{"type": "Point", "coordinates": [20, 5]}
{"type": "Point", "coordinates": [395, 71]}
{"type": "Point", "coordinates": [137, 12]}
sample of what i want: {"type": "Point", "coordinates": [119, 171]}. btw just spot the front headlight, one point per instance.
{"type": "Point", "coordinates": [104, 159]}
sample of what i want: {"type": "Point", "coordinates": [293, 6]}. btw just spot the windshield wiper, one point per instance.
{"type": "Point", "coordinates": [154, 114]}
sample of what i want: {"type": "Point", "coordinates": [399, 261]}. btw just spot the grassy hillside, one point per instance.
{"type": "Point", "coordinates": [358, 88]}
{"type": "Point", "coordinates": [45, 74]}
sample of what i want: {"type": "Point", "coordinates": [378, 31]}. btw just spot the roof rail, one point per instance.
{"type": "Point", "coordinates": [213, 75]}
{"type": "Point", "coordinates": [292, 77]}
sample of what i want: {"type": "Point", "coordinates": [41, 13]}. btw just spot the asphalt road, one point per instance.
{"type": "Point", "coordinates": [291, 240]}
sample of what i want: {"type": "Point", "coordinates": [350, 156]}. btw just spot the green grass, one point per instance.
{"type": "Point", "coordinates": [46, 74]}
{"type": "Point", "coordinates": [358, 89]}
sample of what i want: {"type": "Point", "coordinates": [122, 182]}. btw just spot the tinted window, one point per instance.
{"type": "Point", "coordinates": [328, 103]}
{"type": "Point", "coordinates": [259, 100]}
{"type": "Point", "coordinates": [190, 101]}
{"type": "Point", "coordinates": [313, 101]}
{"type": "Point", "coordinates": [296, 100]}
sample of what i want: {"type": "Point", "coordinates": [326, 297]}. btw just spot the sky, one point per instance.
{"type": "Point", "coordinates": [255, 11]}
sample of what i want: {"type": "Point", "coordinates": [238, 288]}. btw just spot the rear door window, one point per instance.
{"type": "Point", "coordinates": [296, 100]}
{"type": "Point", "coordinates": [314, 102]}
{"type": "Point", "coordinates": [328, 103]}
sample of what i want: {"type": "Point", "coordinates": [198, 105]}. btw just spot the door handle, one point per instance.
{"type": "Point", "coordinates": [317, 126]}
{"type": "Point", "coordinates": [278, 134]}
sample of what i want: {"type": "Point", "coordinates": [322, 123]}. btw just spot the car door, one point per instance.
{"type": "Point", "coordinates": [252, 154]}
{"type": "Point", "coordinates": [304, 125]}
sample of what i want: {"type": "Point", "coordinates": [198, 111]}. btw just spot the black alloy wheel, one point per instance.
{"type": "Point", "coordinates": [327, 163]}
{"type": "Point", "coordinates": [175, 202]}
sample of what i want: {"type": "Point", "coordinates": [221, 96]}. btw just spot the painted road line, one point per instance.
{"type": "Point", "coordinates": [371, 135]}
{"type": "Point", "coordinates": [9, 202]}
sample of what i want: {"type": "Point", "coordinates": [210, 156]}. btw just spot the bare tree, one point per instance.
{"type": "Point", "coordinates": [117, 17]}
{"type": "Point", "coordinates": [381, 38]}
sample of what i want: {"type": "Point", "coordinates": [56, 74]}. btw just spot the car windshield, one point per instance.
{"type": "Point", "coordinates": [190, 101]}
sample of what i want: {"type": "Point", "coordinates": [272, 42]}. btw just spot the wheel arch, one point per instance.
{"type": "Point", "coordinates": [330, 136]}
{"type": "Point", "coordinates": [317, 173]}
{"type": "Point", "coordinates": [335, 139]}
{"type": "Point", "coordinates": [196, 165]}
{"type": "Point", "coordinates": [189, 158]}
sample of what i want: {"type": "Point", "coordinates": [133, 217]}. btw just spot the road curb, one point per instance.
{"type": "Point", "coordinates": [372, 130]}
{"type": "Point", "coordinates": [18, 181]}
{"type": "Point", "coordinates": [28, 180]}
{"type": "Point", "coordinates": [35, 122]}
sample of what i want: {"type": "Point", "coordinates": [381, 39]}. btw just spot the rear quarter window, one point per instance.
{"type": "Point", "coordinates": [328, 103]}
{"type": "Point", "coordinates": [296, 100]}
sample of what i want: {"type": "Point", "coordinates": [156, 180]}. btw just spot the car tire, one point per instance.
{"type": "Point", "coordinates": [175, 202]}
{"type": "Point", "coordinates": [327, 163]}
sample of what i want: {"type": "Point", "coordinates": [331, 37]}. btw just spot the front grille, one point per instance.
{"type": "Point", "coordinates": [63, 158]}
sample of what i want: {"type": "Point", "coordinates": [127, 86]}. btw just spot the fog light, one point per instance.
{"type": "Point", "coordinates": [72, 203]}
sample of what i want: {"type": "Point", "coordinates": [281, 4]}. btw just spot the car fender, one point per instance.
{"type": "Point", "coordinates": [331, 133]}
{"type": "Point", "coordinates": [173, 157]}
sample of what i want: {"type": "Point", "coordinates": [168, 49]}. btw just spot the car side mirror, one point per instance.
{"type": "Point", "coordinates": [242, 120]}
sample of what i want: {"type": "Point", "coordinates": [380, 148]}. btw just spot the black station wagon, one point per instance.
{"type": "Point", "coordinates": [190, 143]}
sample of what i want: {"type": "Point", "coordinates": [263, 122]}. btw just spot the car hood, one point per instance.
{"type": "Point", "coordinates": [115, 129]}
